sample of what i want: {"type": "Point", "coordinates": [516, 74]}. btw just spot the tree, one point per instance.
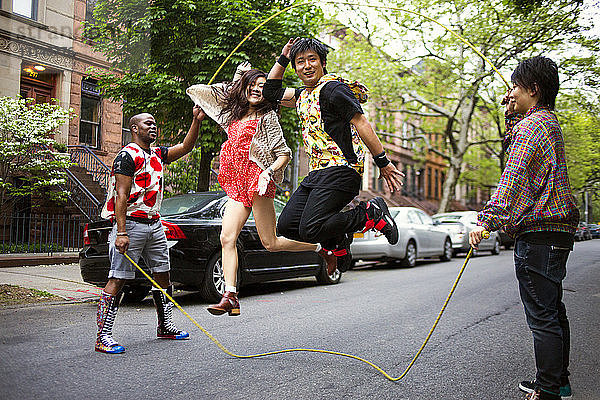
{"type": "Point", "coordinates": [160, 48]}
{"type": "Point", "coordinates": [580, 120]}
{"type": "Point", "coordinates": [449, 85]}
{"type": "Point", "coordinates": [26, 138]}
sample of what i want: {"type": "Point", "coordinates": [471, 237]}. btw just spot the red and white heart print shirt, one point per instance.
{"type": "Point", "coordinates": [146, 170]}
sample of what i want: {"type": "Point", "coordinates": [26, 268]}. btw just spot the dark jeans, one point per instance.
{"type": "Point", "coordinates": [313, 215]}
{"type": "Point", "coordinates": [540, 270]}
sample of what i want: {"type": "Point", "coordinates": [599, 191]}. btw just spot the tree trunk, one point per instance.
{"type": "Point", "coordinates": [450, 184]}
{"type": "Point", "coordinates": [204, 171]}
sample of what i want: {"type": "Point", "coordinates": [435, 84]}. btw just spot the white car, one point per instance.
{"type": "Point", "coordinates": [458, 224]}
{"type": "Point", "coordinates": [419, 238]}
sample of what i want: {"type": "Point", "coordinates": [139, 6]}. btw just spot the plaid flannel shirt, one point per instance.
{"type": "Point", "coordinates": [533, 194]}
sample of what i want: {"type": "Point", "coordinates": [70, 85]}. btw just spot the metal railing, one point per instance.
{"type": "Point", "coordinates": [41, 233]}
{"type": "Point", "coordinates": [83, 156]}
{"type": "Point", "coordinates": [76, 191]}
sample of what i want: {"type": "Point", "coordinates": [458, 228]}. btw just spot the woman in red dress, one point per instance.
{"type": "Point", "coordinates": [252, 159]}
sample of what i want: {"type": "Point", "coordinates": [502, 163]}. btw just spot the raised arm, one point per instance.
{"type": "Point", "coordinates": [181, 149]}
{"type": "Point", "coordinates": [273, 90]}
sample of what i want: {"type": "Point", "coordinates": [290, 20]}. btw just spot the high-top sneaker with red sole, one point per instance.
{"type": "Point", "coordinates": [164, 311]}
{"type": "Point", "coordinates": [380, 219]}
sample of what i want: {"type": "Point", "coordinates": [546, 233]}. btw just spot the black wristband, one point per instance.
{"type": "Point", "coordinates": [381, 160]}
{"type": "Point", "coordinates": [283, 61]}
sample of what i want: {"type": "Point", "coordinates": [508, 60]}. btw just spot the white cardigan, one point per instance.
{"type": "Point", "coordinates": [267, 144]}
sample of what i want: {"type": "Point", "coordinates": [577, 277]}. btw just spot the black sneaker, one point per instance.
{"type": "Point", "coordinates": [380, 219]}
{"type": "Point", "coordinates": [530, 386]}
{"type": "Point", "coordinates": [344, 259]}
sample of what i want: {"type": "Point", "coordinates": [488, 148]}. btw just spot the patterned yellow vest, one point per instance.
{"type": "Point", "coordinates": [322, 150]}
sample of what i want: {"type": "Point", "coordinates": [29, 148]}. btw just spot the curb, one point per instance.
{"type": "Point", "coordinates": [20, 260]}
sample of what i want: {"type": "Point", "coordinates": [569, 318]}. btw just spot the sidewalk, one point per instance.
{"type": "Point", "coordinates": [63, 280]}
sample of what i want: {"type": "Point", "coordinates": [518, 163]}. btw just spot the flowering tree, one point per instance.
{"type": "Point", "coordinates": [25, 139]}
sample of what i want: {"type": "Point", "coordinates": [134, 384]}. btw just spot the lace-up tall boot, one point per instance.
{"type": "Point", "coordinates": [105, 318]}
{"type": "Point", "coordinates": [164, 310]}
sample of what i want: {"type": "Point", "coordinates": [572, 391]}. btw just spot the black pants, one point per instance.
{"type": "Point", "coordinates": [540, 270]}
{"type": "Point", "coordinates": [313, 215]}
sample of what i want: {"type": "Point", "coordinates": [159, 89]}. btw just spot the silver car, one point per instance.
{"type": "Point", "coordinates": [458, 224]}
{"type": "Point", "coordinates": [419, 238]}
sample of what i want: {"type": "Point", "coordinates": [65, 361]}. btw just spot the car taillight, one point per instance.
{"type": "Point", "coordinates": [173, 231]}
{"type": "Point", "coordinates": [86, 237]}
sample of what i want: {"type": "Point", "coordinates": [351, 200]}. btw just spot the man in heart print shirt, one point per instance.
{"type": "Point", "coordinates": [132, 203]}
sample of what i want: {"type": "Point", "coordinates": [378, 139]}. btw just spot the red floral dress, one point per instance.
{"type": "Point", "coordinates": [238, 175]}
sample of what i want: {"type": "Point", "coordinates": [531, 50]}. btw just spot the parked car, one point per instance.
{"type": "Point", "coordinates": [419, 238]}
{"type": "Point", "coordinates": [594, 230]}
{"type": "Point", "coordinates": [192, 223]}
{"type": "Point", "coordinates": [582, 232]}
{"type": "Point", "coordinates": [458, 224]}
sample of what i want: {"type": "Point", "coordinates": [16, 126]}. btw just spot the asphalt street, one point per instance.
{"type": "Point", "coordinates": [481, 349]}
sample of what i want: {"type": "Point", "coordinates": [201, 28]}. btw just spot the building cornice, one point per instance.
{"type": "Point", "coordinates": [36, 50]}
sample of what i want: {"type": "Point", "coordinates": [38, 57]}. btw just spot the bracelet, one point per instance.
{"type": "Point", "coordinates": [381, 160]}
{"type": "Point", "coordinates": [121, 233]}
{"type": "Point", "coordinates": [283, 61]}
{"type": "Point", "coordinates": [270, 170]}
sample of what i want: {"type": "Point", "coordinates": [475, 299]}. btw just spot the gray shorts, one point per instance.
{"type": "Point", "coordinates": [145, 240]}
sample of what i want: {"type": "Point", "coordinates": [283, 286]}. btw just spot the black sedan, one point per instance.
{"type": "Point", "coordinates": [192, 223]}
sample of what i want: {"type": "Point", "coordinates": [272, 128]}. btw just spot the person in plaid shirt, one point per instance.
{"type": "Point", "coordinates": [533, 202]}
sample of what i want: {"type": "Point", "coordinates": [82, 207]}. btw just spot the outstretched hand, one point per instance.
{"type": "Point", "coordinates": [392, 177]}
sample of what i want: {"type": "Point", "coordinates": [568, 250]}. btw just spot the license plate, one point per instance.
{"type": "Point", "coordinates": [359, 235]}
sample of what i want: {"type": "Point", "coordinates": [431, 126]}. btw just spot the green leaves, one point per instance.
{"type": "Point", "coordinates": [160, 48]}
{"type": "Point", "coordinates": [25, 129]}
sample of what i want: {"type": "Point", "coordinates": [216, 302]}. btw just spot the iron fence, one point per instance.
{"type": "Point", "coordinates": [41, 233]}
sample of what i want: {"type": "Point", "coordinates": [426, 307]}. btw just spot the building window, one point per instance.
{"type": "Point", "coordinates": [89, 124]}
{"type": "Point", "coordinates": [126, 133]}
{"type": "Point", "coordinates": [26, 8]}
{"type": "Point", "coordinates": [89, 10]}
{"type": "Point", "coordinates": [436, 194]}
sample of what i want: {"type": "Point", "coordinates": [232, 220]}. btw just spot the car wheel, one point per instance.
{"type": "Point", "coordinates": [496, 249]}
{"type": "Point", "coordinates": [324, 278]}
{"type": "Point", "coordinates": [135, 294]}
{"type": "Point", "coordinates": [410, 260]}
{"type": "Point", "coordinates": [447, 255]}
{"type": "Point", "coordinates": [213, 286]}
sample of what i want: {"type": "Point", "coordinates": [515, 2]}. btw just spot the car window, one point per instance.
{"type": "Point", "coordinates": [413, 217]}
{"type": "Point", "coordinates": [425, 218]}
{"type": "Point", "coordinates": [471, 219]}
{"type": "Point", "coordinates": [447, 218]}
{"type": "Point", "coordinates": [279, 206]}
{"type": "Point", "coordinates": [187, 203]}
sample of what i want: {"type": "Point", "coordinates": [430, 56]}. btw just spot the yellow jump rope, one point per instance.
{"type": "Point", "coordinates": [336, 353]}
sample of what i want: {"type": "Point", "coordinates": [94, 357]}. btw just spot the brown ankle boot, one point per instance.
{"type": "Point", "coordinates": [229, 304]}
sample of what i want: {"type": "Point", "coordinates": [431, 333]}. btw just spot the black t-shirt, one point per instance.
{"type": "Point", "coordinates": [338, 107]}
{"type": "Point", "coordinates": [125, 165]}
